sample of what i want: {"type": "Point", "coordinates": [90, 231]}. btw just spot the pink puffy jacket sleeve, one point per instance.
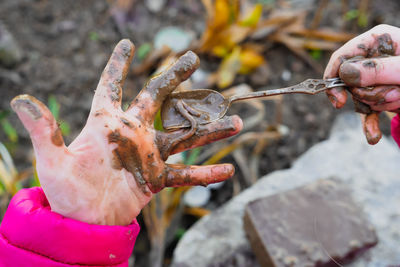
{"type": "Point", "coordinates": [32, 235]}
{"type": "Point", "coordinates": [396, 129]}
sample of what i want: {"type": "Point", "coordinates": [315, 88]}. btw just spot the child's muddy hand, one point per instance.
{"type": "Point", "coordinates": [369, 60]}
{"type": "Point", "coordinates": [110, 171]}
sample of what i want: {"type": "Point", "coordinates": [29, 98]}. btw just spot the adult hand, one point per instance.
{"type": "Point", "coordinates": [111, 170]}
{"type": "Point", "coordinates": [369, 60]}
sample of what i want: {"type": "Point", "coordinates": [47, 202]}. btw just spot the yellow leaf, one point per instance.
{"type": "Point", "coordinates": [252, 18]}
{"type": "Point", "coordinates": [221, 43]}
{"type": "Point", "coordinates": [220, 51]}
{"type": "Point", "coordinates": [249, 60]}
{"type": "Point", "coordinates": [229, 68]}
{"type": "Point", "coordinates": [198, 212]}
{"type": "Point", "coordinates": [221, 14]}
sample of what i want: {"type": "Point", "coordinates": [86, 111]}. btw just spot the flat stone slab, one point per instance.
{"type": "Point", "coordinates": [314, 225]}
{"type": "Point", "coordinates": [372, 173]}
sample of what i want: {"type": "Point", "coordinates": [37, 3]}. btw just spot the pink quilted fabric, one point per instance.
{"type": "Point", "coordinates": [32, 235]}
{"type": "Point", "coordinates": [396, 129]}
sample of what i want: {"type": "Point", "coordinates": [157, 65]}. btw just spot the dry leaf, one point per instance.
{"type": "Point", "coordinates": [252, 18]}
{"type": "Point", "coordinates": [196, 211]}
{"type": "Point", "coordinates": [229, 68]}
{"type": "Point", "coordinates": [249, 61]}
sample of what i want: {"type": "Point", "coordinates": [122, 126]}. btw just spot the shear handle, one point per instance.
{"type": "Point", "coordinates": [334, 82]}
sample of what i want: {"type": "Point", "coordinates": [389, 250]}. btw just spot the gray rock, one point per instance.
{"type": "Point", "coordinates": [10, 53]}
{"type": "Point", "coordinates": [173, 37]}
{"type": "Point", "coordinates": [290, 228]}
{"type": "Point", "coordinates": [155, 5]}
{"type": "Point", "coordinates": [372, 172]}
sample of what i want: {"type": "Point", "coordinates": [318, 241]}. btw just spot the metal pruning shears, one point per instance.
{"type": "Point", "coordinates": [203, 106]}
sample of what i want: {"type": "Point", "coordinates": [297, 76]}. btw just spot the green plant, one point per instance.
{"type": "Point", "coordinates": [54, 107]}
{"type": "Point", "coordinates": [143, 51]}
{"type": "Point", "coordinates": [362, 17]}
{"type": "Point", "coordinates": [316, 54]}
{"type": "Point", "coordinates": [8, 129]}
{"type": "Point", "coordinates": [9, 177]}
{"type": "Point", "coordinates": [94, 36]}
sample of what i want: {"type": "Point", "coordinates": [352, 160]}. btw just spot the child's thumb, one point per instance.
{"type": "Point", "coordinates": [41, 125]}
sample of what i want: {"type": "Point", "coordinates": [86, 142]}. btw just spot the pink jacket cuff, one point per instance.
{"type": "Point", "coordinates": [32, 235]}
{"type": "Point", "coordinates": [395, 129]}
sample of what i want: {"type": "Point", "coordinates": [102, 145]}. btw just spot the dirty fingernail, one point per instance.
{"type": "Point", "coordinates": [187, 64]}
{"type": "Point", "coordinates": [126, 47]}
{"type": "Point", "coordinates": [191, 58]}
{"type": "Point", "coordinates": [371, 128]}
{"type": "Point", "coordinates": [350, 74]}
{"type": "Point", "coordinates": [26, 104]}
{"type": "Point", "coordinates": [373, 139]}
{"type": "Point", "coordinates": [333, 100]}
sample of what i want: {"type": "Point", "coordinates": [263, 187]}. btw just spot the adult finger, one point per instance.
{"type": "Point", "coordinates": [371, 127]}
{"type": "Point", "coordinates": [182, 175]}
{"type": "Point", "coordinates": [109, 90]}
{"type": "Point", "coordinates": [337, 96]}
{"type": "Point", "coordinates": [205, 134]}
{"type": "Point", "coordinates": [42, 127]}
{"type": "Point", "coordinates": [150, 99]}
{"type": "Point", "coordinates": [369, 72]}
{"type": "Point", "coordinates": [392, 106]}
{"type": "Point", "coordinates": [377, 95]}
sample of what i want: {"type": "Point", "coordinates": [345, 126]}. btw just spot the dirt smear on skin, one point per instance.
{"type": "Point", "coordinates": [182, 177]}
{"type": "Point", "coordinates": [126, 122]}
{"type": "Point", "coordinates": [373, 95]}
{"type": "Point", "coordinates": [126, 156]}
{"type": "Point", "coordinates": [34, 107]}
{"type": "Point", "coordinates": [160, 86]}
{"type": "Point", "coordinates": [361, 107]}
{"type": "Point", "coordinates": [117, 69]}
{"type": "Point", "coordinates": [383, 46]}
{"type": "Point", "coordinates": [350, 74]}
{"type": "Point", "coordinates": [57, 138]}
{"type": "Point", "coordinates": [386, 46]}
{"type": "Point", "coordinates": [163, 84]}
{"type": "Point", "coordinates": [370, 64]}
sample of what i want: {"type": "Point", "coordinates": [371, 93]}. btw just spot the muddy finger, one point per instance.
{"type": "Point", "coordinates": [181, 175]}
{"type": "Point", "coordinates": [392, 106]}
{"type": "Point", "coordinates": [369, 72]}
{"type": "Point", "coordinates": [205, 134]}
{"type": "Point", "coordinates": [337, 96]}
{"type": "Point", "coordinates": [150, 99]}
{"type": "Point", "coordinates": [377, 95]}
{"type": "Point", "coordinates": [41, 125]}
{"type": "Point", "coordinates": [371, 127]}
{"type": "Point", "coordinates": [373, 43]}
{"type": "Point", "coordinates": [109, 90]}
